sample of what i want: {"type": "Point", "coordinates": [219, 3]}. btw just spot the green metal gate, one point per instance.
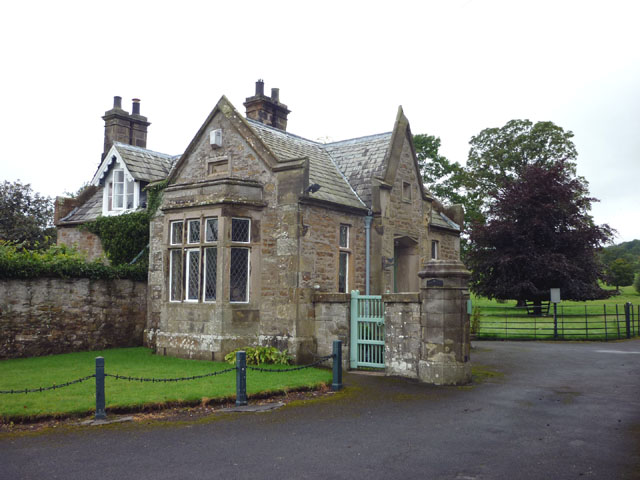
{"type": "Point", "coordinates": [367, 331]}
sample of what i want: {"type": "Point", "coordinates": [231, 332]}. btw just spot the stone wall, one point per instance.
{"type": "Point", "coordinates": [83, 240]}
{"type": "Point", "coordinates": [51, 315]}
{"type": "Point", "coordinates": [332, 317]}
{"type": "Point", "coordinates": [402, 333]}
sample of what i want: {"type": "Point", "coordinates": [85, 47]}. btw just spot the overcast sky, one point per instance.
{"type": "Point", "coordinates": [343, 68]}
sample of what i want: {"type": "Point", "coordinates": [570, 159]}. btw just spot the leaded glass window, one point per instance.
{"type": "Point", "coordinates": [193, 274]}
{"type": "Point", "coordinates": [210, 273]}
{"type": "Point", "coordinates": [240, 230]}
{"type": "Point", "coordinates": [193, 233]}
{"type": "Point", "coordinates": [175, 275]}
{"type": "Point", "coordinates": [344, 236]}
{"type": "Point", "coordinates": [211, 233]}
{"type": "Point", "coordinates": [176, 233]}
{"type": "Point", "coordinates": [343, 259]}
{"type": "Point", "coordinates": [343, 272]}
{"type": "Point", "coordinates": [239, 275]}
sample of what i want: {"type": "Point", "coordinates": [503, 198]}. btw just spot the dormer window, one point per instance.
{"type": "Point", "coordinates": [122, 191]}
{"type": "Point", "coordinates": [120, 194]}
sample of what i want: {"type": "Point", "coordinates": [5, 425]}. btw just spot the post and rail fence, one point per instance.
{"type": "Point", "coordinates": [567, 322]}
{"type": "Point", "coordinates": [240, 368]}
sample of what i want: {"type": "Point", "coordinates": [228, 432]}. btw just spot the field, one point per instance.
{"type": "Point", "coordinates": [592, 320]}
{"type": "Point", "coordinates": [79, 399]}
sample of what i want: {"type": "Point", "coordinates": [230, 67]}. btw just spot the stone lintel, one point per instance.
{"type": "Point", "coordinates": [320, 297]}
{"type": "Point", "coordinates": [412, 297]}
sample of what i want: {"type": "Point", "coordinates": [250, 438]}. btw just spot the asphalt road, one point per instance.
{"type": "Point", "coordinates": [553, 411]}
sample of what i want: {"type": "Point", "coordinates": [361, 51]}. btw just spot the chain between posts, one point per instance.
{"type": "Point", "coordinates": [293, 369]}
{"type": "Point", "coordinates": [165, 380]}
{"type": "Point", "coordinates": [52, 387]}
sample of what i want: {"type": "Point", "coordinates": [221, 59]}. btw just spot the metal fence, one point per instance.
{"type": "Point", "coordinates": [569, 322]}
{"type": "Point", "coordinates": [240, 368]}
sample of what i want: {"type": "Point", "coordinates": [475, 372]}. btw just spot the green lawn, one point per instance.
{"type": "Point", "coordinates": [79, 399]}
{"type": "Point", "coordinates": [592, 320]}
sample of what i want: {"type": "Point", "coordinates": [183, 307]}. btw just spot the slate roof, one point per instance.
{"type": "Point", "coordinates": [439, 219]}
{"type": "Point", "coordinates": [360, 159]}
{"type": "Point", "coordinates": [322, 169]}
{"type": "Point", "coordinates": [89, 210]}
{"type": "Point", "coordinates": [145, 165]}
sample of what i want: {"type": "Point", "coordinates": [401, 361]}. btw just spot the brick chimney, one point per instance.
{"type": "Point", "coordinates": [267, 110]}
{"type": "Point", "coordinates": [120, 126]}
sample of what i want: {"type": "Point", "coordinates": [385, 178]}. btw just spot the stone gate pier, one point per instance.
{"type": "Point", "coordinates": [445, 341]}
{"type": "Point", "coordinates": [427, 333]}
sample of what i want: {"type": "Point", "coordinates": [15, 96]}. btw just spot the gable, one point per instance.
{"type": "Point", "coordinates": [250, 149]}
{"type": "Point", "coordinates": [402, 141]}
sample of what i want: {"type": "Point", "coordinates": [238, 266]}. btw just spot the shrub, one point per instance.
{"type": "Point", "coordinates": [258, 355]}
{"type": "Point", "coordinates": [636, 284]}
{"type": "Point", "coordinates": [60, 261]}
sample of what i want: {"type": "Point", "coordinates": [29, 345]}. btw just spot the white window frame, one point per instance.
{"type": "Point", "coordinates": [171, 267]}
{"type": "Point", "coordinates": [435, 248]}
{"type": "Point", "coordinates": [205, 250]}
{"type": "Point", "coordinates": [248, 289]}
{"type": "Point", "coordinates": [344, 250]}
{"type": "Point", "coordinates": [248, 230]}
{"type": "Point", "coordinates": [206, 230]}
{"type": "Point", "coordinates": [187, 270]}
{"type": "Point", "coordinates": [111, 192]}
{"type": "Point", "coordinates": [171, 239]}
{"type": "Point", "coordinates": [188, 239]}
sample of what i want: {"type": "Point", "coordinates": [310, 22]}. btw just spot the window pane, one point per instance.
{"type": "Point", "coordinates": [118, 176]}
{"type": "Point", "coordinates": [434, 249]}
{"type": "Point", "coordinates": [129, 186]}
{"type": "Point", "coordinates": [175, 275]}
{"type": "Point", "coordinates": [193, 274]}
{"type": "Point", "coordinates": [176, 233]}
{"type": "Point", "coordinates": [210, 273]}
{"type": "Point", "coordinates": [194, 231]}
{"type": "Point", "coordinates": [342, 272]}
{"type": "Point", "coordinates": [239, 275]}
{"type": "Point", "coordinates": [211, 234]}
{"type": "Point", "coordinates": [240, 230]}
{"type": "Point", "coordinates": [344, 236]}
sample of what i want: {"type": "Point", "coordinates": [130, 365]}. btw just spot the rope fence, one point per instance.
{"type": "Point", "coordinates": [240, 368]}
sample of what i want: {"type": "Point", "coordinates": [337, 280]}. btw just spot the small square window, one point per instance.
{"type": "Point", "coordinates": [193, 233]}
{"type": "Point", "coordinates": [240, 230]}
{"type": "Point", "coordinates": [211, 230]}
{"type": "Point", "coordinates": [176, 233]}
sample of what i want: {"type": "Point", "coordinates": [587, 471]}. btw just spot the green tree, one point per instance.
{"type": "Point", "coordinates": [499, 155]}
{"type": "Point", "coordinates": [619, 273]}
{"type": "Point", "coordinates": [25, 216]}
{"type": "Point", "coordinates": [538, 235]}
{"type": "Point", "coordinates": [443, 178]}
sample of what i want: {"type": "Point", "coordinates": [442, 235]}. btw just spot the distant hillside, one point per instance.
{"type": "Point", "coordinates": [630, 251]}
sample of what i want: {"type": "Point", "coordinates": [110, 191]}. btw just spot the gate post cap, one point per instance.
{"type": "Point", "coordinates": [444, 268]}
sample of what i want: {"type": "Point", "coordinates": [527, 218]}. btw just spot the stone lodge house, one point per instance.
{"type": "Point", "coordinates": [256, 222]}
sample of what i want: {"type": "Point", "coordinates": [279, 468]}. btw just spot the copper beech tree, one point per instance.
{"type": "Point", "coordinates": [539, 235]}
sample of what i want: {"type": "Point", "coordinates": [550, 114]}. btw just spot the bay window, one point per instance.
{"type": "Point", "coordinates": [193, 259]}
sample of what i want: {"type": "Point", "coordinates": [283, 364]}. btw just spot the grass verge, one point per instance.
{"type": "Point", "coordinates": [591, 320]}
{"type": "Point", "coordinates": [122, 395]}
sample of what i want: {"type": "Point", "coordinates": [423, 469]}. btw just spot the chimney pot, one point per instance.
{"type": "Point", "coordinates": [259, 87]}
{"type": "Point", "coordinates": [275, 95]}
{"type": "Point", "coordinates": [117, 102]}
{"type": "Point", "coordinates": [135, 108]}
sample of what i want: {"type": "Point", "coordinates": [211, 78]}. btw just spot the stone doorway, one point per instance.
{"type": "Point", "coordinates": [406, 265]}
